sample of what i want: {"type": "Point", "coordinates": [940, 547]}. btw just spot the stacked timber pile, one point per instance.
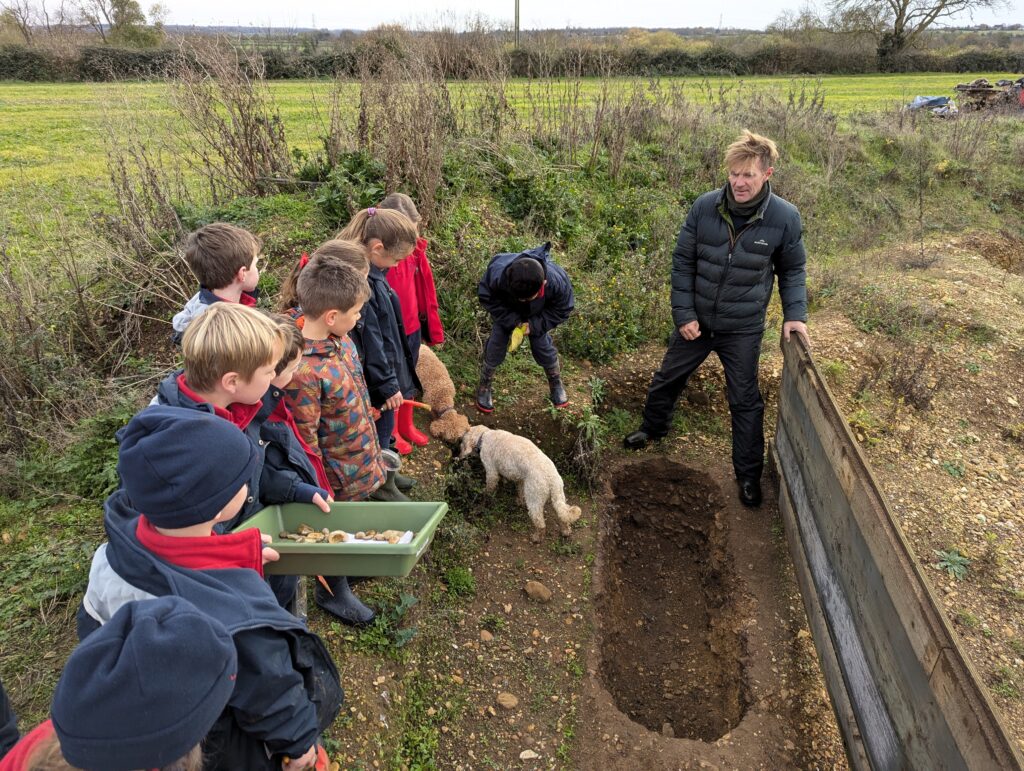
{"type": "Point", "coordinates": [980, 94]}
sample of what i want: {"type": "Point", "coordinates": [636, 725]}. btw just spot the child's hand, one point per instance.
{"type": "Point", "coordinates": [526, 328]}
{"type": "Point", "coordinates": [297, 764]}
{"type": "Point", "coordinates": [269, 554]}
{"type": "Point", "coordinates": [394, 401]}
{"type": "Point", "coordinates": [318, 500]}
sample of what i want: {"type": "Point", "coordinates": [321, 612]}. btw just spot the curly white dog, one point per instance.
{"type": "Point", "coordinates": [507, 456]}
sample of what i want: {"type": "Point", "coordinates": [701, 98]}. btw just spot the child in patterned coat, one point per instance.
{"type": "Point", "coordinates": [330, 403]}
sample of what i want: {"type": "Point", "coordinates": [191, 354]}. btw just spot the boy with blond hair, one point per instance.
{"type": "Point", "coordinates": [231, 354]}
{"type": "Point", "coordinates": [224, 258]}
{"type": "Point", "coordinates": [185, 474]}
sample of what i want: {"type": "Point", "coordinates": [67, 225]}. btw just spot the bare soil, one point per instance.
{"type": "Point", "coordinates": [665, 571]}
{"type": "Point", "coordinates": [668, 583]}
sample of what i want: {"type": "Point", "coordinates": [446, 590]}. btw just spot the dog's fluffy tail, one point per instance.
{"type": "Point", "coordinates": [565, 513]}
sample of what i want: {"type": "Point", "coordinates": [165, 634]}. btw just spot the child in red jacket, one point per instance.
{"type": "Point", "coordinates": [413, 282]}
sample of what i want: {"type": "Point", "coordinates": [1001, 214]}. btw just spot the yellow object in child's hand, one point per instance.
{"type": "Point", "coordinates": [517, 337]}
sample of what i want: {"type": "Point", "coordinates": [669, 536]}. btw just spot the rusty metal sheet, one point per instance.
{"type": "Point", "coordinates": [905, 695]}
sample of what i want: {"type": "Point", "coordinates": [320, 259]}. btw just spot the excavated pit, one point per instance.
{"type": "Point", "coordinates": [671, 648]}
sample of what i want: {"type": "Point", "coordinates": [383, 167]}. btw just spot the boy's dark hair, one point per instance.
{"type": "Point", "coordinates": [216, 251]}
{"type": "Point", "coordinates": [525, 277]}
{"type": "Point", "coordinates": [327, 283]}
{"type": "Point", "coordinates": [294, 342]}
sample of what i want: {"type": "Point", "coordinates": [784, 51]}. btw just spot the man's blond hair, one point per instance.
{"type": "Point", "coordinates": [229, 338]}
{"type": "Point", "coordinates": [751, 147]}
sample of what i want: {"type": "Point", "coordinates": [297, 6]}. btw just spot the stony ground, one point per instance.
{"type": "Point", "coordinates": [923, 354]}
{"type": "Point", "coordinates": [500, 653]}
{"type": "Point", "coordinates": [937, 407]}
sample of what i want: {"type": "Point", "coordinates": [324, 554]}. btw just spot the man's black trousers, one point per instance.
{"type": "Point", "coordinates": [739, 354]}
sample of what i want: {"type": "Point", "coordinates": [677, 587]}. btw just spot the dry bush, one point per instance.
{"type": "Point", "coordinates": [146, 183]}
{"type": "Point", "coordinates": [911, 378]}
{"type": "Point", "coordinates": [406, 121]}
{"type": "Point", "coordinates": [468, 51]}
{"type": "Point", "coordinates": [234, 138]}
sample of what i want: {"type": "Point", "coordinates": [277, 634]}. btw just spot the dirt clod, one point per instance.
{"type": "Point", "coordinates": [537, 592]}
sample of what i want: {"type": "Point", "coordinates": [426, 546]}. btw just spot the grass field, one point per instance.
{"type": "Point", "coordinates": [52, 136]}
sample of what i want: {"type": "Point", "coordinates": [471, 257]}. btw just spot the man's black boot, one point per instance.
{"type": "Point", "coordinates": [557, 394]}
{"type": "Point", "coordinates": [636, 441]}
{"type": "Point", "coordinates": [750, 492]}
{"type": "Point", "coordinates": [484, 397]}
{"type": "Point", "coordinates": [340, 602]}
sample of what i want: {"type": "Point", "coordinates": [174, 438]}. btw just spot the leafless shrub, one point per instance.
{"type": "Point", "coordinates": [406, 119]}
{"type": "Point", "coordinates": [911, 377]}
{"type": "Point", "coordinates": [144, 183]}
{"type": "Point", "coordinates": [234, 139]}
{"type": "Point", "coordinates": [965, 138]}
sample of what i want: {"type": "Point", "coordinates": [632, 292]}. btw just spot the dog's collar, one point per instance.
{"type": "Point", "coordinates": [479, 442]}
{"type": "Point", "coordinates": [442, 413]}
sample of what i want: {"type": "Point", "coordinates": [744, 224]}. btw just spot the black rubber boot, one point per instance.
{"type": "Point", "coordinates": [636, 441]}
{"type": "Point", "coordinates": [404, 483]}
{"type": "Point", "coordinates": [558, 396]}
{"type": "Point", "coordinates": [388, 492]}
{"type": "Point", "coordinates": [484, 397]}
{"type": "Point", "coordinates": [750, 492]}
{"type": "Point", "coordinates": [340, 602]}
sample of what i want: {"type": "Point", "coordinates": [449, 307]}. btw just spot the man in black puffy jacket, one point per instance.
{"type": "Point", "coordinates": [734, 242]}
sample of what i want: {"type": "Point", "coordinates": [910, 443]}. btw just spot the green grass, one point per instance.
{"type": "Point", "coordinates": [52, 153]}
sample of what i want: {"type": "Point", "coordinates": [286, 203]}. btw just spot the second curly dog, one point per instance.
{"type": "Point", "coordinates": [507, 456]}
{"type": "Point", "coordinates": [447, 423]}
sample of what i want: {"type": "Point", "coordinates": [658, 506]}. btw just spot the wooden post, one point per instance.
{"type": "Point", "coordinates": [517, 24]}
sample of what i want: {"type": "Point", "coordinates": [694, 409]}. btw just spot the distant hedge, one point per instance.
{"type": "Point", "coordinates": [104, 63]}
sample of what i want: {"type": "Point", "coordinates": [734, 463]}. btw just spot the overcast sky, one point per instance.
{"type": "Point", "coordinates": [751, 14]}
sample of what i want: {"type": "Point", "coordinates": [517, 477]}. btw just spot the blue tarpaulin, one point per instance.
{"type": "Point", "coordinates": [928, 102]}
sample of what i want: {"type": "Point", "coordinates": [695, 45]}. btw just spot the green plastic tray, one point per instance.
{"type": "Point", "coordinates": [348, 559]}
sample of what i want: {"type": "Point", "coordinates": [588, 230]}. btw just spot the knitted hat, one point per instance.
{"type": "Point", "coordinates": [145, 688]}
{"type": "Point", "coordinates": [181, 466]}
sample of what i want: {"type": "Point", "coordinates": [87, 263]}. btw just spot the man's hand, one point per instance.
{"type": "Point", "coordinates": [690, 330]}
{"type": "Point", "coordinates": [526, 328]}
{"type": "Point", "coordinates": [298, 764]}
{"type": "Point", "coordinates": [269, 555]}
{"type": "Point", "coordinates": [323, 505]}
{"type": "Point", "coordinates": [796, 326]}
{"type": "Point", "coordinates": [394, 401]}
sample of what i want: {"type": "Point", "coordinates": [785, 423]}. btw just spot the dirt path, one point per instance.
{"type": "Point", "coordinates": [701, 661]}
{"type": "Point", "coordinates": [673, 636]}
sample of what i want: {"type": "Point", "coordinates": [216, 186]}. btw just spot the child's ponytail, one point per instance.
{"type": "Point", "coordinates": [389, 226]}
{"type": "Point", "coordinates": [287, 297]}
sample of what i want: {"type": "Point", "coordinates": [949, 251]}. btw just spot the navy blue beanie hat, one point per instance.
{"type": "Point", "coordinates": [180, 467]}
{"type": "Point", "coordinates": [145, 688]}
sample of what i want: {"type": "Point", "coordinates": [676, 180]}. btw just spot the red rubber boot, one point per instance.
{"type": "Point", "coordinates": [407, 429]}
{"type": "Point", "coordinates": [400, 445]}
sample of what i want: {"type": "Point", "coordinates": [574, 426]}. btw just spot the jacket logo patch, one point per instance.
{"type": "Point", "coordinates": [760, 242]}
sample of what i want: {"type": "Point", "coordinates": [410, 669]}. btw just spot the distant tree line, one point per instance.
{"type": "Point", "coordinates": [114, 39]}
